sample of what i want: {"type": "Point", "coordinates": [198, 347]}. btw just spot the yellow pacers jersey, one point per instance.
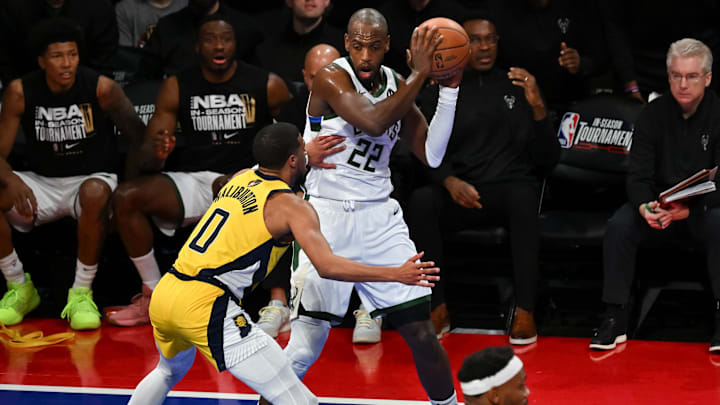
{"type": "Point", "coordinates": [231, 247]}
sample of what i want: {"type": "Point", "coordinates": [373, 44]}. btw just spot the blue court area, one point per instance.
{"type": "Point", "coordinates": [86, 396]}
{"type": "Point", "coordinates": [36, 398]}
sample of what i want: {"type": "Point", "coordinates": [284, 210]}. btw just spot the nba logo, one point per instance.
{"type": "Point", "coordinates": [568, 125]}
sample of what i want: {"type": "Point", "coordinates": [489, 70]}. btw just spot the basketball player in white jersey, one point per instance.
{"type": "Point", "coordinates": [371, 106]}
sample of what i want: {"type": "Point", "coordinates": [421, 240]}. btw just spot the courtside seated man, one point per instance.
{"type": "Point", "coordinates": [372, 107]}
{"type": "Point", "coordinates": [67, 113]}
{"type": "Point", "coordinates": [220, 106]}
{"type": "Point", "coordinates": [251, 222]}
{"type": "Point", "coordinates": [676, 135]}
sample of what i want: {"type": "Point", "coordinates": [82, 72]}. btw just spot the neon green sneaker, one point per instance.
{"type": "Point", "coordinates": [80, 310]}
{"type": "Point", "coordinates": [18, 301]}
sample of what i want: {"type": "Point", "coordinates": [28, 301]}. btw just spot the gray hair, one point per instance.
{"type": "Point", "coordinates": [688, 48]}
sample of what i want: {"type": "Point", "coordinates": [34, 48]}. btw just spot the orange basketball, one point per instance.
{"type": "Point", "coordinates": [453, 52]}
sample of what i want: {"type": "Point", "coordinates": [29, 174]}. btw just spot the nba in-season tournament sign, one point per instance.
{"type": "Point", "coordinates": [587, 132]}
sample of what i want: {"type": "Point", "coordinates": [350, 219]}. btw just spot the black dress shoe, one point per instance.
{"type": "Point", "coordinates": [608, 336]}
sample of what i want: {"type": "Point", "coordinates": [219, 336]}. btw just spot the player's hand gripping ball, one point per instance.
{"type": "Point", "coordinates": [453, 52]}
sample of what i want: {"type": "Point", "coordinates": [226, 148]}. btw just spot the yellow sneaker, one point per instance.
{"type": "Point", "coordinates": [80, 310]}
{"type": "Point", "coordinates": [18, 301]}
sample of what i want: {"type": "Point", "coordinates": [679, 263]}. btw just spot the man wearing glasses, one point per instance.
{"type": "Point", "coordinates": [676, 136]}
{"type": "Point", "coordinates": [501, 136]}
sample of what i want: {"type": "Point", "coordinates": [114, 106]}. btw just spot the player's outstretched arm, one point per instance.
{"type": "Point", "coordinates": [305, 226]}
{"type": "Point", "coordinates": [114, 102]}
{"type": "Point", "coordinates": [159, 138]}
{"type": "Point", "coordinates": [333, 90]}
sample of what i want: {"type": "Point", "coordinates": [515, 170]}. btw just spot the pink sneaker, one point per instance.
{"type": "Point", "coordinates": [135, 314]}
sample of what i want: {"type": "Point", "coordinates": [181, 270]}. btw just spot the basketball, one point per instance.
{"type": "Point", "coordinates": [453, 52]}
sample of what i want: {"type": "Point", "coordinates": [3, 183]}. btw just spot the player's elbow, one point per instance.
{"type": "Point", "coordinates": [374, 130]}
{"type": "Point", "coordinates": [432, 161]}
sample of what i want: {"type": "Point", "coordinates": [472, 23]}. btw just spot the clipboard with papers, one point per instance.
{"type": "Point", "coordinates": [700, 183]}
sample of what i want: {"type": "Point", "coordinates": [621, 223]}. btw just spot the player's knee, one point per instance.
{"type": "Point", "coordinates": [94, 195]}
{"type": "Point", "coordinates": [126, 199]}
{"type": "Point", "coordinates": [420, 336]}
{"type": "Point", "coordinates": [307, 338]}
{"type": "Point", "coordinates": [174, 369]}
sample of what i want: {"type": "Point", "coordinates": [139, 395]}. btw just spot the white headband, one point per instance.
{"type": "Point", "coordinates": [481, 386]}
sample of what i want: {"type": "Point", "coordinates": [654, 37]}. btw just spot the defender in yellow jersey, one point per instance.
{"type": "Point", "coordinates": [239, 240]}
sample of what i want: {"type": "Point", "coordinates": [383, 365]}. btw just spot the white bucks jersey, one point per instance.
{"type": "Point", "coordinates": [363, 172]}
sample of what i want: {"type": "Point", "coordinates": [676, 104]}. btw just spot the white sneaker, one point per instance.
{"type": "Point", "coordinates": [367, 330]}
{"type": "Point", "coordinates": [274, 319]}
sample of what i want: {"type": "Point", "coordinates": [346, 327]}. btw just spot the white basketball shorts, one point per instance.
{"type": "Point", "coordinates": [372, 233]}
{"type": "Point", "coordinates": [195, 194]}
{"type": "Point", "coordinates": [57, 197]}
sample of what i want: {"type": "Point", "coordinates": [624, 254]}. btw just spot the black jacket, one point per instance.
{"type": "Point", "coordinates": [495, 137]}
{"type": "Point", "coordinates": [667, 148]}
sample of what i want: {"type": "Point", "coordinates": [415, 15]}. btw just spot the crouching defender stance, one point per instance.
{"type": "Point", "coordinates": [239, 240]}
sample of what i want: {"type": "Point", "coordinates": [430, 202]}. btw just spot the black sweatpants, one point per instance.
{"type": "Point", "coordinates": [627, 230]}
{"type": "Point", "coordinates": [432, 213]}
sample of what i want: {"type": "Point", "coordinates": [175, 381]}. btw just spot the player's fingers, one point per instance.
{"type": "Point", "coordinates": [326, 166]}
{"type": "Point", "coordinates": [335, 150]}
{"type": "Point", "coordinates": [476, 204]}
{"type": "Point", "coordinates": [17, 203]}
{"type": "Point", "coordinates": [437, 39]}
{"type": "Point", "coordinates": [429, 269]}
{"type": "Point", "coordinates": [422, 266]}
{"type": "Point", "coordinates": [424, 284]}
{"type": "Point", "coordinates": [332, 140]}
{"type": "Point", "coordinates": [416, 257]}
{"type": "Point", "coordinates": [33, 203]}
{"type": "Point", "coordinates": [23, 207]}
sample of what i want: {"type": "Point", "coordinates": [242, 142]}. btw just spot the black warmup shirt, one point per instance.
{"type": "Point", "coordinates": [495, 138]}
{"type": "Point", "coordinates": [219, 120]}
{"type": "Point", "coordinates": [67, 134]}
{"type": "Point", "coordinates": [667, 148]}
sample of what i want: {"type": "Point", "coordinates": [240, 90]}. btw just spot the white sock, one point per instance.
{"type": "Point", "coordinates": [12, 268]}
{"type": "Point", "coordinates": [450, 401]}
{"type": "Point", "coordinates": [275, 303]}
{"type": "Point", "coordinates": [148, 269]}
{"type": "Point", "coordinates": [84, 274]}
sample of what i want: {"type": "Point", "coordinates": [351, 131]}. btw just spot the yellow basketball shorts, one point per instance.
{"type": "Point", "coordinates": [195, 313]}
